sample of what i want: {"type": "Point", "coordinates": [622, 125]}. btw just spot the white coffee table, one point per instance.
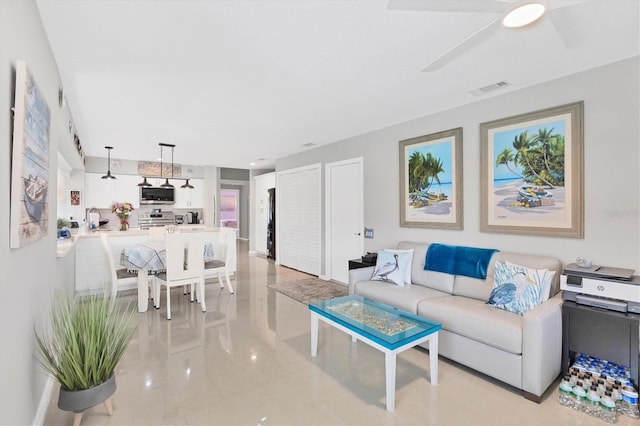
{"type": "Point", "coordinates": [384, 327]}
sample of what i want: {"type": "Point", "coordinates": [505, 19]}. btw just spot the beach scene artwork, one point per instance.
{"type": "Point", "coordinates": [430, 187]}
{"type": "Point", "coordinates": [529, 164]}
{"type": "Point", "coordinates": [30, 162]}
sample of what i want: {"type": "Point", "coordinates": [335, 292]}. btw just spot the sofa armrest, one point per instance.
{"type": "Point", "coordinates": [542, 345]}
{"type": "Point", "coordinates": [360, 274]}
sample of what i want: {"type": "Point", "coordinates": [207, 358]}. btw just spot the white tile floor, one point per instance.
{"type": "Point", "coordinates": [246, 361]}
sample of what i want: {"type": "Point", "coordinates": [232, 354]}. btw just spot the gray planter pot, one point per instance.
{"type": "Point", "coordinates": [78, 401]}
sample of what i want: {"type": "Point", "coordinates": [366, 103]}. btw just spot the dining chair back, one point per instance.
{"type": "Point", "coordinates": [221, 264]}
{"type": "Point", "coordinates": [184, 266]}
{"type": "Point", "coordinates": [119, 276]}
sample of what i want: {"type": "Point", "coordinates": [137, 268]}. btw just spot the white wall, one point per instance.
{"type": "Point", "coordinates": [611, 168]}
{"type": "Point", "coordinates": [29, 273]}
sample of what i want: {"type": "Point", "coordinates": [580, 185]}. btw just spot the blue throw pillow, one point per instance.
{"type": "Point", "coordinates": [391, 267]}
{"type": "Point", "coordinates": [517, 288]}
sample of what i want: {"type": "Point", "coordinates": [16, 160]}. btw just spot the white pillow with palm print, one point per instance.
{"type": "Point", "coordinates": [391, 267]}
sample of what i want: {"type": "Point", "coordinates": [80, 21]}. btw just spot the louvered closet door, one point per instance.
{"type": "Point", "coordinates": [299, 218]}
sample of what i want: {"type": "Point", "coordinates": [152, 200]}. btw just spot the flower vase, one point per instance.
{"type": "Point", "coordinates": [124, 224]}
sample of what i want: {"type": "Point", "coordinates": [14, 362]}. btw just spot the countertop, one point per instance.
{"type": "Point", "coordinates": [65, 245]}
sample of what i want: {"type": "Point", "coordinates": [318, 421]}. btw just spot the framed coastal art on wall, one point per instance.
{"type": "Point", "coordinates": [532, 173]}
{"type": "Point", "coordinates": [431, 181]}
{"type": "Point", "coordinates": [30, 161]}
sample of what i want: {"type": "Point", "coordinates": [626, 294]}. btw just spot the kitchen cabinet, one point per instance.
{"type": "Point", "coordinates": [190, 198]}
{"type": "Point", "coordinates": [127, 189]}
{"type": "Point", "coordinates": [98, 192]}
{"type": "Point", "coordinates": [101, 193]}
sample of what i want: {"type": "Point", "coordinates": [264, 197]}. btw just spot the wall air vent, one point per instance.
{"type": "Point", "coordinates": [490, 88]}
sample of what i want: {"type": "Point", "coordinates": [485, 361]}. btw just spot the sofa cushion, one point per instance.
{"type": "Point", "coordinates": [473, 287]}
{"type": "Point", "coordinates": [480, 289]}
{"type": "Point", "coordinates": [436, 280]}
{"type": "Point", "coordinates": [391, 267]}
{"type": "Point", "coordinates": [473, 319]}
{"type": "Point", "coordinates": [405, 298]}
{"type": "Point", "coordinates": [409, 264]}
{"type": "Point", "coordinates": [519, 289]}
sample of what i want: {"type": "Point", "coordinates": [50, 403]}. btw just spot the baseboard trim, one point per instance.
{"type": "Point", "coordinates": [43, 405]}
{"type": "Point", "coordinates": [252, 252]}
{"type": "Point", "coordinates": [324, 277]}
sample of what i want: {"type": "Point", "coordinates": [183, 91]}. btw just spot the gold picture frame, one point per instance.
{"type": "Point", "coordinates": [431, 181]}
{"type": "Point", "coordinates": [531, 169]}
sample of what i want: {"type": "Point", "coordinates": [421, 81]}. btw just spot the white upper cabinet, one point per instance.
{"type": "Point", "coordinates": [127, 189]}
{"type": "Point", "coordinates": [101, 193]}
{"type": "Point", "coordinates": [190, 198]}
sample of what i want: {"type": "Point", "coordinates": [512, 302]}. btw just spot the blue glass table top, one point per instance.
{"type": "Point", "coordinates": [383, 324]}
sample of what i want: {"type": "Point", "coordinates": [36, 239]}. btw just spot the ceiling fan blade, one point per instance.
{"type": "Point", "coordinates": [461, 47]}
{"type": "Point", "coordinates": [487, 6]}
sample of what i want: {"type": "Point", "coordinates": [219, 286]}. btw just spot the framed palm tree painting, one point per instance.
{"type": "Point", "coordinates": [532, 173]}
{"type": "Point", "coordinates": [431, 181]}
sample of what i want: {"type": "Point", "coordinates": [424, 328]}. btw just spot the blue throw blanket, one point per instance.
{"type": "Point", "coordinates": [457, 260]}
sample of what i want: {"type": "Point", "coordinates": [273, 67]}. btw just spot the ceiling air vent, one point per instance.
{"type": "Point", "coordinates": [309, 144]}
{"type": "Point", "coordinates": [490, 88]}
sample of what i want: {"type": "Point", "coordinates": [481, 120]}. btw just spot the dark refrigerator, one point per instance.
{"type": "Point", "coordinates": [271, 225]}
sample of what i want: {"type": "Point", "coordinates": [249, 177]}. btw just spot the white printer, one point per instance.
{"type": "Point", "coordinates": [601, 286]}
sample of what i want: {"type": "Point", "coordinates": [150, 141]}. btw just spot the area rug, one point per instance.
{"type": "Point", "coordinates": [310, 290]}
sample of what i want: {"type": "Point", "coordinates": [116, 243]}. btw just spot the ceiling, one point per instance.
{"type": "Point", "coordinates": [237, 82]}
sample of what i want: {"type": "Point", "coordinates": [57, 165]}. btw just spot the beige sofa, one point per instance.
{"type": "Point", "coordinates": [522, 351]}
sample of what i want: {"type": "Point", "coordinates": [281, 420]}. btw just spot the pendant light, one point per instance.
{"type": "Point", "coordinates": [108, 175]}
{"type": "Point", "coordinates": [166, 183]}
{"type": "Point", "coordinates": [187, 185]}
{"type": "Point", "coordinates": [144, 183]}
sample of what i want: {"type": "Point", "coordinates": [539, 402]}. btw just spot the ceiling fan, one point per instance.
{"type": "Point", "coordinates": [504, 10]}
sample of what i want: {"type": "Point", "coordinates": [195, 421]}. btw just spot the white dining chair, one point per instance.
{"type": "Point", "coordinates": [184, 267]}
{"type": "Point", "coordinates": [119, 276]}
{"type": "Point", "coordinates": [222, 258]}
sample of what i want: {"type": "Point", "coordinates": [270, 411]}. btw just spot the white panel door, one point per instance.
{"type": "Point", "coordinates": [299, 219]}
{"type": "Point", "coordinates": [344, 216]}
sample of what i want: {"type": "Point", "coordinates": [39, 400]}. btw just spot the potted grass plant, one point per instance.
{"type": "Point", "coordinates": [81, 348]}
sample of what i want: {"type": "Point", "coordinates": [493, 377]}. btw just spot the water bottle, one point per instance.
{"type": "Point", "coordinates": [579, 395]}
{"type": "Point", "coordinates": [573, 379]}
{"type": "Point", "coordinates": [608, 411]}
{"type": "Point", "coordinates": [565, 392]}
{"type": "Point", "coordinates": [592, 403]}
{"type": "Point", "coordinates": [630, 402]}
{"type": "Point", "coordinates": [617, 397]}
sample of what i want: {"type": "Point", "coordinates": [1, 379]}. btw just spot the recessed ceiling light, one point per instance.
{"type": "Point", "coordinates": [523, 15]}
{"type": "Point", "coordinates": [252, 164]}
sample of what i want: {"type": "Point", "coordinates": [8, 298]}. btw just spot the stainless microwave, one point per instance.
{"type": "Point", "coordinates": [157, 195]}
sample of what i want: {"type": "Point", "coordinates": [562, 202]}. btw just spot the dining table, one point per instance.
{"type": "Point", "coordinates": [150, 258]}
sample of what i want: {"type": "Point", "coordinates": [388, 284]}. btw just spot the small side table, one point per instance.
{"type": "Point", "coordinates": [357, 264]}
